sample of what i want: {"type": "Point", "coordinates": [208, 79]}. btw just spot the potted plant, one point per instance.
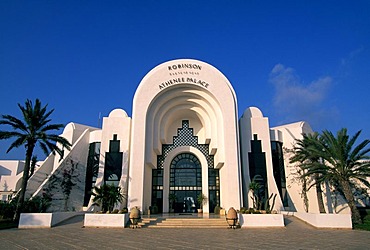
{"type": "Point", "coordinates": [135, 217]}
{"type": "Point", "coordinates": [232, 218]}
{"type": "Point", "coordinates": [153, 209]}
{"type": "Point", "coordinates": [107, 196]}
{"type": "Point", "coordinates": [172, 199]}
{"type": "Point", "coordinates": [201, 198]}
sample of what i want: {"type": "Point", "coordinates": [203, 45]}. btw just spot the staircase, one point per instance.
{"type": "Point", "coordinates": [162, 222]}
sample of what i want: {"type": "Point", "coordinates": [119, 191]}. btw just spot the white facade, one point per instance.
{"type": "Point", "coordinates": [170, 93]}
{"type": "Point", "coordinates": [10, 176]}
{"type": "Point", "coordinates": [184, 138]}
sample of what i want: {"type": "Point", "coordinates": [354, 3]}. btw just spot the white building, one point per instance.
{"type": "Point", "coordinates": [10, 176]}
{"type": "Point", "coordinates": [184, 138]}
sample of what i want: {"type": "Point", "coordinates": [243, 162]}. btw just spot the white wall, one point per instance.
{"type": "Point", "coordinates": [10, 172]}
{"type": "Point", "coordinates": [120, 124]}
{"type": "Point", "coordinates": [291, 133]}
{"type": "Point", "coordinates": [252, 122]}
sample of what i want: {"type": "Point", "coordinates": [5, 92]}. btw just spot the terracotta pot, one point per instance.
{"type": "Point", "coordinates": [231, 214]}
{"type": "Point", "coordinates": [232, 218]}
{"type": "Point", "coordinates": [134, 213]}
{"type": "Point", "coordinates": [134, 216]}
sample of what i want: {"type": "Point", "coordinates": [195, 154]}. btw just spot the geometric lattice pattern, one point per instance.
{"type": "Point", "coordinates": [185, 137]}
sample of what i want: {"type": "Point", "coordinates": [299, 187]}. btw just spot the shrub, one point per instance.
{"type": "Point", "coordinates": [7, 210]}
{"type": "Point", "coordinates": [243, 210]}
{"type": "Point", "coordinates": [217, 210]}
{"type": "Point", "coordinates": [107, 196]}
{"type": "Point", "coordinates": [36, 205]}
{"type": "Point", "coordinates": [154, 209]}
{"type": "Point", "coordinates": [124, 210]}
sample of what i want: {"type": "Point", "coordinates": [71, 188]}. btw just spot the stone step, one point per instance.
{"type": "Point", "coordinates": [193, 222]}
{"type": "Point", "coordinates": [186, 223]}
{"type": "Point", "coordinates": [187, 226]}
{"type": "Point", "coordinates": [147, 221]}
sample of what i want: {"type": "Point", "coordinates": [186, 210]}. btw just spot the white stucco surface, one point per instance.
{"type": "Point", "coordinates": [342, 221]}
{"type": "Point", "coordinates": [44, 220]}
{"type": "Point", "coordinates": [261, 220]}
{"type": "Point", "coordinates": [106, 220]}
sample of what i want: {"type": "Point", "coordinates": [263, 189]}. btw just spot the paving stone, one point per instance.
{"type": "Point", "coordinates": [296, 235]}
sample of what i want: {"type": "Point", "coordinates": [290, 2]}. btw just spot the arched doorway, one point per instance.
{"type": "Point", "coordinates": [185, 182]}
{"type": "Point", "coordinates": [184, 170]}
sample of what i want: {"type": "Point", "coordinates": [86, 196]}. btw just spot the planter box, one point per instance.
{"type": "Point", "coordinates": [326, 220]}
{"type": "Point", "coordinates": [261, 220]}
{"type": "Point", "coordinates": [106, 220]}
{"type": "Point", "coordinates": [44, 220]}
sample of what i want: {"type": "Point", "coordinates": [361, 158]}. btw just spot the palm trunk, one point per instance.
{"type": "Point", "coordinates": [356, 218]}
{"type": "Point", "coordinates": [33, 165]}
{"type": "Point", "coordinates": [320, 200]}
{"type": "Point", "coordinates": [22, 193]}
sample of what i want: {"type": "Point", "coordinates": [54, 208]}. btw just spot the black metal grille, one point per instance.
{"type": "Point", "coordinates": [185, 137]}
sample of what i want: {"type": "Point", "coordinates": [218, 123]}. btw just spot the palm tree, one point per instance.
{"type": "Point", "coordinates": [107, 196]}
{"type": "Point", "coordinates": [33, 165]}
{"type": "Point", "coordinates": [34, 129]}
{"type": "Point", "coordinates": [343, 164]}
{"type": "Point", "coordinates": [303, 156]}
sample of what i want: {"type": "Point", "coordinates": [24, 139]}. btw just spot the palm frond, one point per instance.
{"type": "Point", "coordinates": [14, 122]}
{"type": "Point", "coordinates": [44, 148]}
{"type": "Point", "coordinates": [51, 127]}
{"type": "Point", "coordinates": [9, 134]}
{"type": "Point", "coordinates": [17, 143]}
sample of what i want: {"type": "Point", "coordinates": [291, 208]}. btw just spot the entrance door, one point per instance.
{"type": "Point", "coordinates": [185, 182]}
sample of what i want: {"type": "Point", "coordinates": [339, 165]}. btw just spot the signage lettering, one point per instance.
{"type": "Point", "coordinates": [181, 80]}
{"type": "Point", "coordinates": [185, 66]}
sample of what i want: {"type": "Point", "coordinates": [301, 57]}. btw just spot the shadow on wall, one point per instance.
{"type": "Point", "coordinates": [291, 207]}
{"type": "Point", "coordinates": [5, 171]}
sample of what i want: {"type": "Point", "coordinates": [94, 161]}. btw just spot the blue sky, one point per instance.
{"type": "Point", "coordinates": [295, 60]}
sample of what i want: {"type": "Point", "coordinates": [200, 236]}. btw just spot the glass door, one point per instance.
{"type": "Point", "coordinates": [185, 182]}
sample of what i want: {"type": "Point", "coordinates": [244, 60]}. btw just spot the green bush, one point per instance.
{"type": "Point", "coordinates": [36, 205]}
{"type": "Point", "coordinates": [217, 210]}
{"type": "Point", "coordinates": [107, 196]}
{"type": "Point", "coordinates": [250, 210]}
{"type": "Point", "coordinates": [243, 210]}
{"type": "Point", "coordinates": [7, 210]}
{"type": "Point", "coordinates": [124, 210]}
{"type": "Point", "coordinates": [153, 209]}
{"type": "Point", "coordinates": [365, 216]}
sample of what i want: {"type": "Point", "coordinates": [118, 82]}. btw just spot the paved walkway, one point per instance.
{"type": "Point", "coordinates": [71, 235]}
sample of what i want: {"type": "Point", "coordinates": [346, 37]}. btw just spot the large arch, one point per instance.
{"type": "Point", "coordinates": [174, 91]}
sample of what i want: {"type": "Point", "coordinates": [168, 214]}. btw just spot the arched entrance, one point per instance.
{"type": "Point", "coordinates": [185, 182]}
{"type": "Point", "coordinates": [184, 170]}
{"type": "Point", "coordinates": [199, 97]}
